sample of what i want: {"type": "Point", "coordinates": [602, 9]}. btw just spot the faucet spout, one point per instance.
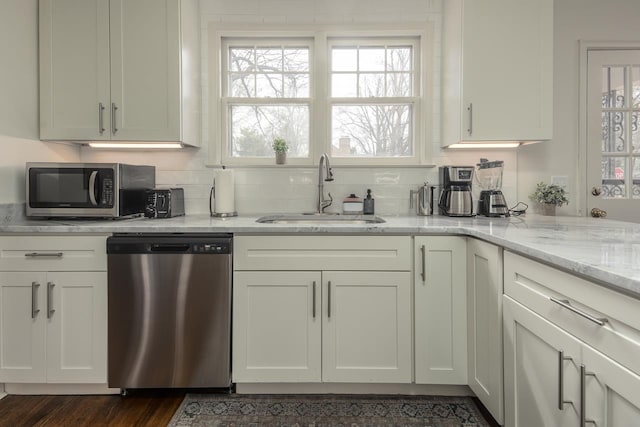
{"type": "Point", "coordinates": [324, 166]}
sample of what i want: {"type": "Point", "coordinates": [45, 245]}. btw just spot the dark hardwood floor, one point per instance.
{"type": "Point", "coordinates": [137, 409]}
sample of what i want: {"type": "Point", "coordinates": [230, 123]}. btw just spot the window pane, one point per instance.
{"type": "Point", "coordinates": [242, 85]}
{"type": "Point", "coordinates": [253, 129]}
{"type": "Point", "coordinates": [613, 87]}
{"type": "Point", "coordinates": [371, 85]}
{"type": "Point", "coordinates": [372, 131]}
{"type": "Point", "coordinates": [344, 59]}
{"type": "Point", "coordinates": [268, 59]}
{"type": "Point", "coordinates": [372, 59]}
{"type": "Point", "coordinates": [344, 85]}
{"type": "Point", "coordinates": [635, 192]}
{"type": "Point", "coordinates": [613, 135]}
{"type": "Point", "coordinates": [635, 131]}
{"type": "Point", "coordinates": [296, 85]}
{"type": "Point", "coordinates": [399, 59]}
{"type": "Point", "coordinates": [296, 59]}
{"type": "Point", "coordinates": [241, 59]}
{"type": "Point", "coordinates": [269, 85]}
{"type": "Point", "coordinates": [399, 84]}
{"type": "Point", "coordinates": [613, 172]}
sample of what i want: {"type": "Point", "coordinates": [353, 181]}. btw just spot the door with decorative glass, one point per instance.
{"type": "Point", "coordinates": [613, 134]}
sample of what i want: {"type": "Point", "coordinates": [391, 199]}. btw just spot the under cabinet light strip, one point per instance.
{"type": "Point", "coordinates": [133, 145]}
{"type": "Point", "coordinates": [495, 145]}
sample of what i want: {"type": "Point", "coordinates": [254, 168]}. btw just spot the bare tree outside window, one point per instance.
{"type": "Point", "coordinates": [268, 89]}
{"type": "Point", "coordinates": [372, 109]}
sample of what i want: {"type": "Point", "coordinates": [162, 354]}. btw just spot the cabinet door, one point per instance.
{"type": "Point", "coordinates": [508, 69]}
{"type": "Point", "coordinates": [366, 331]}
{"type": "Point", "coordinates": [612, 397]}
{"type": "Point", "coordinates": [74, 69]}
{"type": "Point", "coordinates": [77, 330]}
{"type": "Point", "coordinates": [145, 69]}
{"type": "Point", "coordinates": [22, 327]}
{"type": "Point", "coordinates": [276, 326]}
{"type": "Point", "coordinates": [440, 310]}
{"type": "Point", "coordinates": [484, 323]}
{"type": "Point", "coordinates": [541, 368]}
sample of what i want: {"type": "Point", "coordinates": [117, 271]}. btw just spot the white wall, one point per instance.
{"type": "Point", "coordinates": [294, 190]}
{"type": "Point", "coordinates": [574, 20]}
{"type": "Point", "coordinates": [19, 100]}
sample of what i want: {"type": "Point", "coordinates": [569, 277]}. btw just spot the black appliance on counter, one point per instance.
{"type": "Point", "coordinates": [87, 190]}
{"type": "Point", "coordinates": [456, 198]}
{"type": "Point", "coordinates": [164, 203]}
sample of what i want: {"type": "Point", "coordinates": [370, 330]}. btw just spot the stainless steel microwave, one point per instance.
{"type": "Point", "coordinates": [99, 190]}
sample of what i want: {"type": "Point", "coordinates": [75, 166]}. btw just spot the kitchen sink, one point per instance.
{"type": "Point", "coordinates": [320, 219]}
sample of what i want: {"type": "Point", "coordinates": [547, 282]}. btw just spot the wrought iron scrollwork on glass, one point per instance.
{"type": "Point", "coordinates": [613, 135]}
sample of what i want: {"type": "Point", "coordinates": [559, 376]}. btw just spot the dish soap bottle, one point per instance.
{"type": "Point", "coordinates": [368, 208]}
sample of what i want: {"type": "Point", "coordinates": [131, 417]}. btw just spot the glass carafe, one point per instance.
{"type": "Point", "coordinates": [489, 174]}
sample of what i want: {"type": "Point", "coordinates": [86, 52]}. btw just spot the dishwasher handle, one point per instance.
{"type": "Point", "coordinates": [170, 247]}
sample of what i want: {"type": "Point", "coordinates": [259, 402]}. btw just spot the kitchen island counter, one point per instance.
{"type": "Point", "coordinates": [605, 251]}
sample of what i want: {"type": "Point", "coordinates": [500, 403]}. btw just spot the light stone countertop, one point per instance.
{"type": "Point", "coordinates": [602, 250]}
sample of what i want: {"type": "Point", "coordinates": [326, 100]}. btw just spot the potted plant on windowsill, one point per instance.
{"type": "Point", "coordinates": [549, 196]}
{"type": "Point", "coordinates": [280, 147]}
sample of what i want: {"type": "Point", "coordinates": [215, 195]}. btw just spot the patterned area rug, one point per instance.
{"type": "Point", "coordinates": [325, 411]}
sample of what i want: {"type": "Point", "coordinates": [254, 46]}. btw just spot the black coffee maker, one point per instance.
{"type": "Point", "coordinates": [456, 198]}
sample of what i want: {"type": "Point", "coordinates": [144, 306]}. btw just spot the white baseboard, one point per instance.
{"type": "Point", "coordinates": [323, 388]}
{"type": "Point", "coordinates": [59, 389]}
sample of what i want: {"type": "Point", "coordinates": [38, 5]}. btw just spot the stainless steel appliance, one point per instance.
{"type": "Point", "coordinates": [103, 190]}
{"type": "Point", "coordinates": [456, 198]}
{"type": "Point", "coordinates": [491, 201]}
{"type": "Point", "coordinates": [164, 203]}
{"type": "Point", "coordinates": [169, 311]}
{"type": "Point", "coordinates": [425, 195]}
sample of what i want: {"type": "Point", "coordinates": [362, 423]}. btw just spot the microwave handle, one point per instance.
{"type": "Point", "coordinates": [92, 188]}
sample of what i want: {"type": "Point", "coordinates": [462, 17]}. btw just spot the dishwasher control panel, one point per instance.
{"type": "Point", "coordinates": [170, 244]}
{"type": "Point", "coordinates": [210, 248]}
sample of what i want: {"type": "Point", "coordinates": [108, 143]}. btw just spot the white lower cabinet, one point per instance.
{"type": "Point", "coordinates": [571, 349]}
{"type": "Point", "coordinates": [440, 306]}
{"type": "Point", "coordinates": [484, 324]}
{"type": "Point", "coordinates": [53, 327]}
{"type": "Point", "coordinates": [554, 379]}
{"type": "Point", "coordinates": [322, 326]}
{"type": "Point", "coordinates": [316, 309]}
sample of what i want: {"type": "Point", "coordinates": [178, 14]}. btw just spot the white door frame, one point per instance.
{"type": "Point", "coordinates": [584, 47]}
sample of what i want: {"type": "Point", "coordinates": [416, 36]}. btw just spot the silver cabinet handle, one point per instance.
{"type": "Point", "coordinates": [329, 299]}
{"type": "Point", "coordinates": [44, 254]}
{"type": "Point", "coordinates": [101, 128]}
{"type": "Point", "coordinates": [470, 110]}
{"type": "Point", "coordinates": [566, 304]}
{"type": "Point", "coordinates": [423, 273]}
{"type": "Point", "coordinates": [50, 309]}
{"type": "Point", "coordinates": [583, 396]}
{"type": "Point", "coordinates": [114, 128]}
{"type": "Point", "coordinates": [34, 299]}
{"type": "Point", "coordinates": [92, 188]}
{"type": "Point", "coordinates": [561, 359]}
{"type": "Point", "coordinates": [314, 299]}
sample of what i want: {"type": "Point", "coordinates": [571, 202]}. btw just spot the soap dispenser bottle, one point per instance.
{"type": "Point", "coordinates": [368, 208]}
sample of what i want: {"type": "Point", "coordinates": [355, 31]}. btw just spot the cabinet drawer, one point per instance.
{"type": "Point", "coordinates": [574, 299]}
{"type": "Point", "coordinates": [53, 253]}
{"type": "Point", "coordinates": [388, 253]}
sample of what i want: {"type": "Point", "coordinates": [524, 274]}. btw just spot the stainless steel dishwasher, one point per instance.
{"type": "Point", "coordinates": [169, 311]}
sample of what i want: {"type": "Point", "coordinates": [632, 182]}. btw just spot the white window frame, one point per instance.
{"type": "Point", "coordinates": [319, 101]}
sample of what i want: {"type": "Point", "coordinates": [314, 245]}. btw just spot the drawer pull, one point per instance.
{"type": "Point", "coordinates": [583, 396]}
{"type": "Point", "coordinates": [566, 304]}
{"type": "Point", "coordinates": [44, 254]}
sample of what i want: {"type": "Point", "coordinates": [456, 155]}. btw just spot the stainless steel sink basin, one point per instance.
{"type": "Point", "coordinates": [320, 219]}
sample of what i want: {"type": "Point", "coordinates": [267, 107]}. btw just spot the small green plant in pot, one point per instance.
{"type": "Point", "coordinates": [280, 147]}
{"type": "Point", "coordinates": [549, 196]}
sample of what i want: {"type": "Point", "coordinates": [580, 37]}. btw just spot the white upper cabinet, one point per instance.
{"type": "Point", "coordinates": [497, 71]}
{"type": "Point", "coordinates": [119, 70]}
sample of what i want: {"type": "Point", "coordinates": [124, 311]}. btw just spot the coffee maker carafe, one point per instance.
{"type": "Point", "coordinates": [456, 199]}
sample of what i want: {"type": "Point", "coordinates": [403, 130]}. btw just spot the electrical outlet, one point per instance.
{"type": "Point", "coordinates": [560, 181]}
